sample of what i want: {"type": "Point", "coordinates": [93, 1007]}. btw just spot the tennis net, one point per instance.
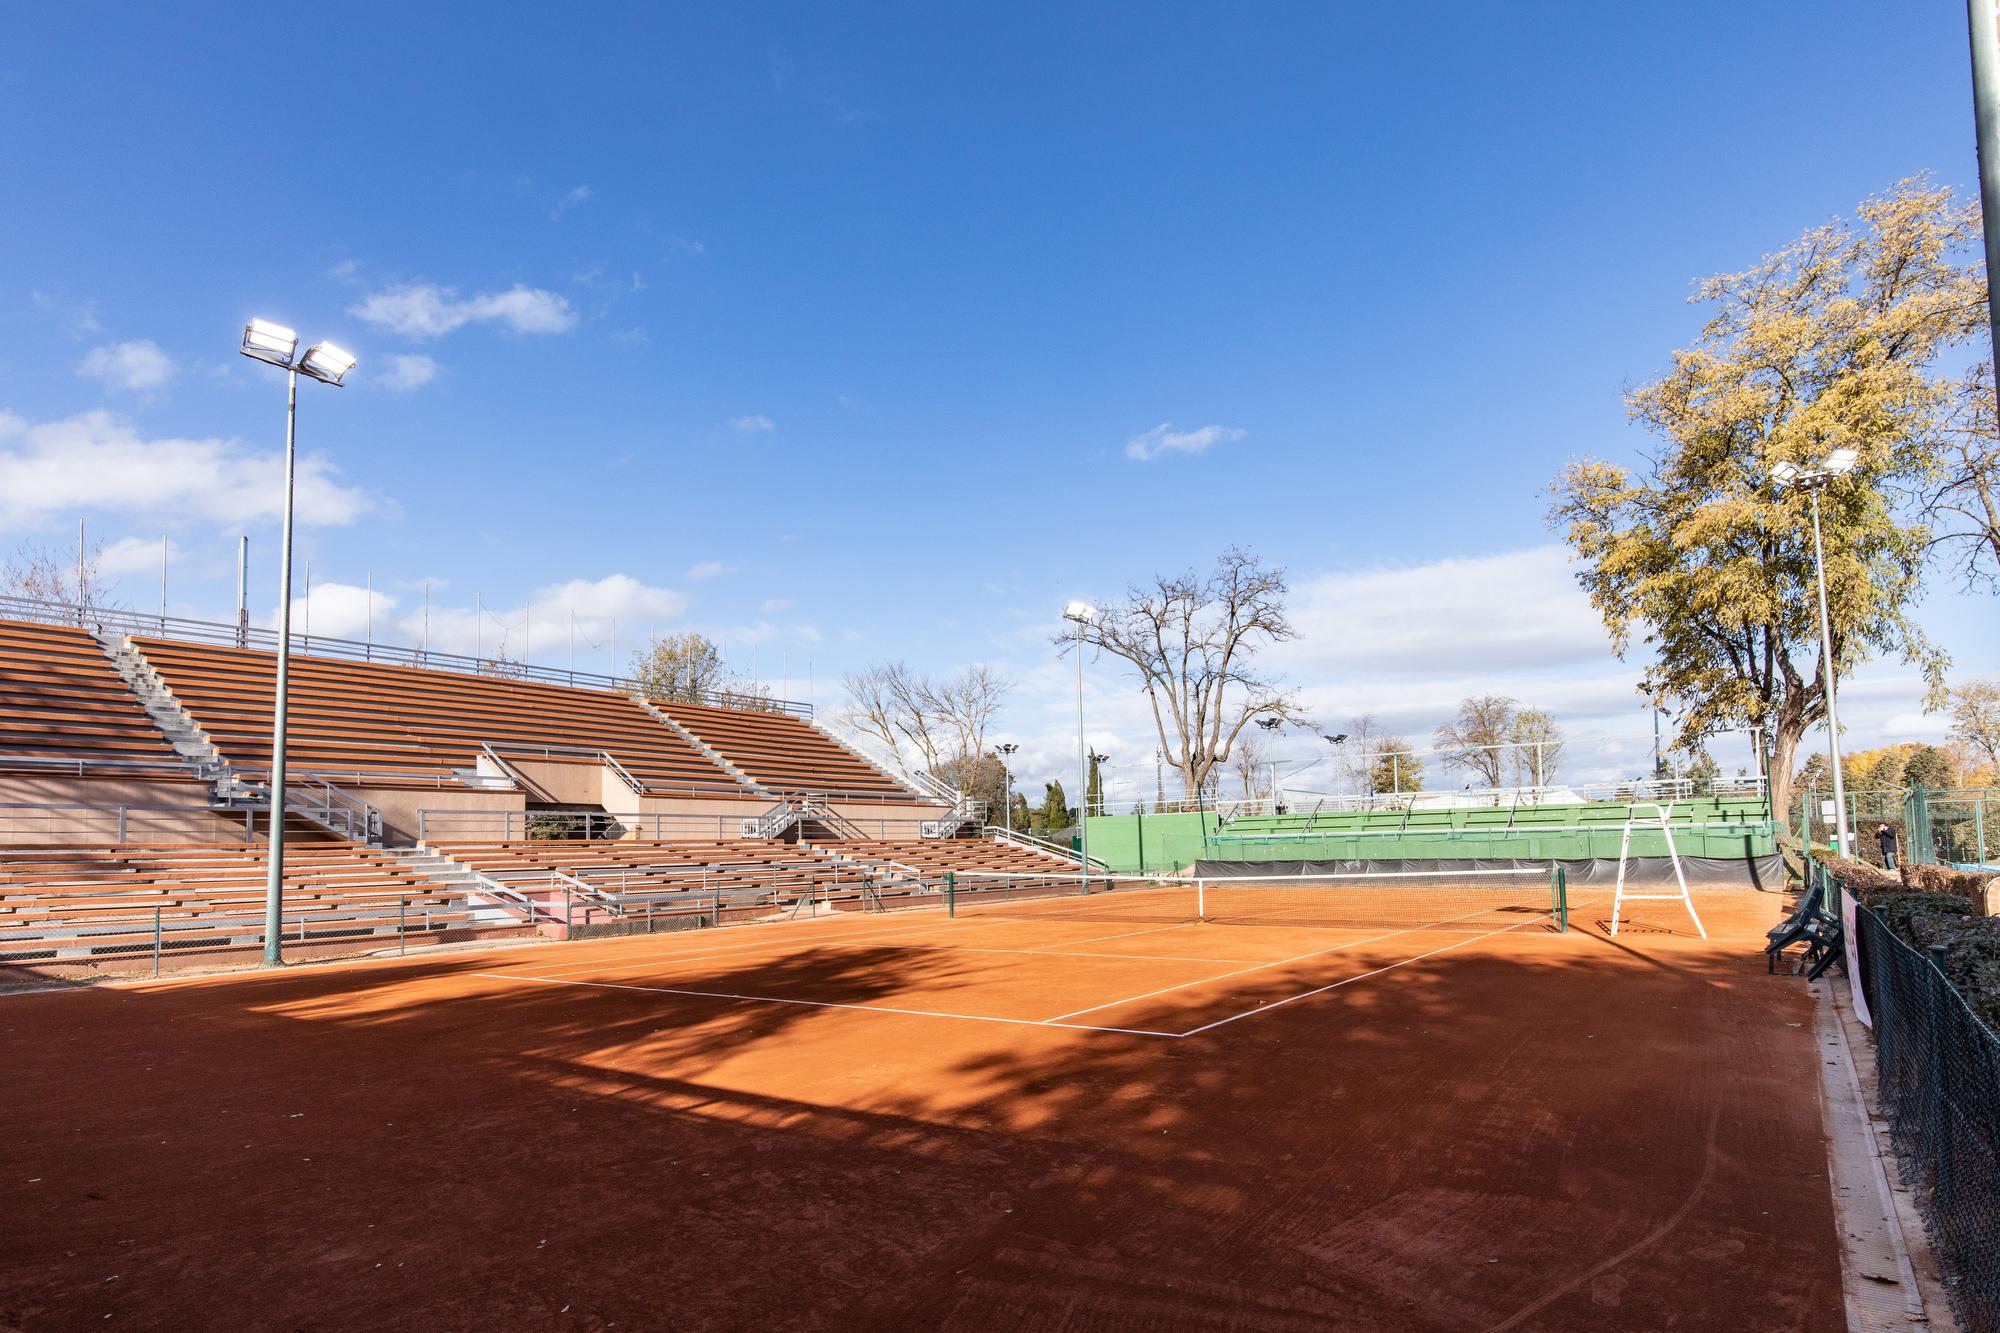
{"type": "Point", "coordinates": [1465, 899]}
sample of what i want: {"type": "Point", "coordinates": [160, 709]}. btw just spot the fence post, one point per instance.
{"type": "Point", "coordinates": [950, 894]}
{"type": "Point", "coordinates": [156, 939]}
{"type": "Point", "coordinates": [402, 938]}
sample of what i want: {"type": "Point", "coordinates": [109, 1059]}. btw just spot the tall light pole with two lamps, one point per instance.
{"type": "Point", "coordinates": [276, 345]}
{"type": "Point", "coordinates": [1006, 753]}
{"type": "Point", "coordinates": [1812, 480]}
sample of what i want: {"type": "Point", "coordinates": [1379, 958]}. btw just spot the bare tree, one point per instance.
{"type": "Point", "coordinates": [46, 574]}
{"type": "Point", "coordinates": [1359, 752]}
{"type": "Point", "coordinates": [1249, 765]}
{"type": "Point", "coordinates": [1473, 739]}
{"type": "Point", "coordinates": [1538, 746]}
{"type": "Point", "coordinates": [1193, 641]}
{"type": "Point", "coordinates": [941, 724]}
{"type": "Point", "coordinates": [1974, 709]}
{"type": "Point", "coordinates": [1959, 491]}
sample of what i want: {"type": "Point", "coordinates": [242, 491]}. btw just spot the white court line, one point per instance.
{"type": "Point", "coordinates": [840, 937]}
{"type": "Point", "coordinates": [769, 941]}
{"type": "Point", "coordinates": [828, 1004]}
{"type": "Point", "coordinates": [1297, 958]}
{"type": "Point", "coordinates": [1345, 981]}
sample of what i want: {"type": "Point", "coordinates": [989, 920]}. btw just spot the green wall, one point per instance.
{"type": "Point", "coordinates": [1729, 829]}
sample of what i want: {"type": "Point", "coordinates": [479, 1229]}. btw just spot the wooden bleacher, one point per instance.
{"type": "Point", "coordinates": [385, 725]}
{"type": "Point", "coordinates": [785, 754]}
{"type": "Point", "coordinates": [930, 858]}
{"type": "Point", "coordinates": [98, 901]}
{"type": "Point", "coordinates": [65, 704]}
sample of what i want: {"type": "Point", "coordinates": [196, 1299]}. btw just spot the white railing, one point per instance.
{"type": "Point", "coordinates": [503, 824]}
{"type": "Point", "coordinates": [51, 822]}
{"type": "Point", "coordinates": [1295, 801]}
{"type": "Point", "coordinates": [1029, 842]}
{"type": "Point", "coordinates": [230, 635]}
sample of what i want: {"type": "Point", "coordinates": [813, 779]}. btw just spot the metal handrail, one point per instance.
{"type": "Point", "coordinates": [230, 635]}
{"type": "Point", "coordinates": [1029, 842]}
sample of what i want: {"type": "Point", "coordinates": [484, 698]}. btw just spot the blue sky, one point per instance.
{"type": "Point", "coordinates": [831, 331]}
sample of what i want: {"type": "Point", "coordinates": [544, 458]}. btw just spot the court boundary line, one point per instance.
{"type": "Point", "coordinates": [873, 933]}
{"type": "Point", "coordinates": [1058, 1022]}
{"type": "Point", "coordinates": [1300, 958]}
{"type": "Point", "coordinates": [829, 1004]}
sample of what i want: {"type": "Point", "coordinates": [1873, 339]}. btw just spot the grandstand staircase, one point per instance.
{"type": "Point", "coordinates": [183, 734]}
{"type": "Point", "coordinates": [962, 809]}
{"type": "Point", "coordinates": [807, 814]}
{"type": "Point", "coordinates": [702, 747]}
{"type": "Point", "coordinates": [306, 796]}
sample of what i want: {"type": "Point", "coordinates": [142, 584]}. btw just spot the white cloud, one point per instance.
{"type": "Point", "coordinates": [1164, 439]}
{"type": "Point", "coordinates": [100, 461]}
{"type": "Point", "coordinates": [341, 611]}
{"type": "Point", "coordinates": [580, 194]}
{"type": "Point", "coordinates": [708, 569]}
{"type": "Point", "coordinates": [425, 310]}
{"type": "Point", "coordinates": [773, 605]}
{"type": "Point", "coordinates": [139, 365]}
{"type": "Point", "coordinates": [1446, 618]}
{"type": "Point", "coordinates": [616, 612]}
{"type": "Point", "coordinates": [409, 372]}
{"type": "Point", "coordinates": [79, 315]}
{"type": "Point", "coordinates": [135, 555]}
{"type": "Point", "coordinates": [752, 425]}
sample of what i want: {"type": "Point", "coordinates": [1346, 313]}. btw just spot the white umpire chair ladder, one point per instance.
{"type": "Point", "coordinates": [1620, 897]}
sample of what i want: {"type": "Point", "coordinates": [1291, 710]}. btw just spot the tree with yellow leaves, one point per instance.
{"type": "Point", "coordinates": [1832, 342]}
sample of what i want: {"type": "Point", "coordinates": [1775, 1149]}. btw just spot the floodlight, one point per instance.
{"type": "Point", "coordinates": [1081, 612]}
{"type": "Point", "coordinates": [326, 363]}
{"type": "Point", "coordinates": [1784, 474]}
{"type": "Point", "coordinates": [1841, 461]}
{"type": "Point", "coordinates": [1270, 723]}
{"type": "Point", "coordinates": [1341, 739]}
{"type": "Point", "coordinates": [270, 342]}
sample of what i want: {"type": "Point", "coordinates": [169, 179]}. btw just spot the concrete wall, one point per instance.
{"type": "Point", "coordinates": [93, 813]}
{"type": "Point", "coordinates": [400, 807]}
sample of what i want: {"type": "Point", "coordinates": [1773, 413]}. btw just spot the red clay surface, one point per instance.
{"type": "Point", "coordinates": [1014, 1120]}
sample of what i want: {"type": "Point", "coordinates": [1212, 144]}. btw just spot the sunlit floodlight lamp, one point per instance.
{"type": "Point", "coordinates": [270, 342]}
{"type": "Point", "coordinates": [326, 363]}
{"type": "Point", "coordinates": [1841, 461]}
{"type": "Point", "coordinates": [1081, 612]}
{"type": "Point", "coordinates": [1785, 474]}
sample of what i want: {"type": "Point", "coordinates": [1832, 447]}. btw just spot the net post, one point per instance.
{"type": "Point", "coordinates": [1200, 899]}
{"type": "Point", "coordinates": [950, 894]}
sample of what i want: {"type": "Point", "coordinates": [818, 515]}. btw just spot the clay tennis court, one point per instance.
{"type": "Point", "coordinates": [1079, 1115]}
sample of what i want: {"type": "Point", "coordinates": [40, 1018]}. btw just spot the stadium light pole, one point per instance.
{"type": "Point", "coordinates": [276, 345]}
{"type": "Point", "coordinates": [1336, 742]}
{"type": "Point", "coordinates": [1812, 480]}
{"type": "Point", "coordinates": [1082, 615]}
{"type": "Point", "coordinates": [1006, 752]}
{"type": "Point", "coordinates": [1270, 726]}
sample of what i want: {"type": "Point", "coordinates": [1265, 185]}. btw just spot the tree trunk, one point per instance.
{"type": "Point", "coordinates": [1785, 738]}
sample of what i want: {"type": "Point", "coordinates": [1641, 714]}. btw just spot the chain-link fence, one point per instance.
{"type": "Point", "coordinates": [1955, 826]}
{"type": "Point", "coordinates": [1939, 1072]}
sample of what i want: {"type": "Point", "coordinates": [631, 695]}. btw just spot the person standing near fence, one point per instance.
{"type": "Point", "coordinates": [1885, 838]}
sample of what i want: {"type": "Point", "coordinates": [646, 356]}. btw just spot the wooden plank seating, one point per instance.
{"type": "Point", "coordinates": [651, 866]}
{"type": "Point", "coordinates": [64, 701]}
{"type": "Point", "coordinates": [786, 754]}
{"type": "Point", "coordinates": [932, 857]}
{"type": "Point", "coordinates": [96, 896]}
{"type": "Point", "coordinates": [386, 725]}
